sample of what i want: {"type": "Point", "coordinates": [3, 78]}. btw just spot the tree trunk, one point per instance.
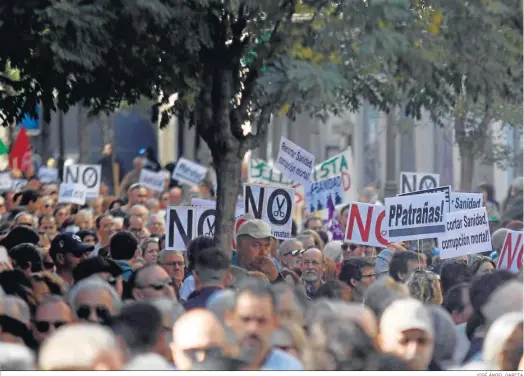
{"type": "Point", "coordinates": [83, 135]}
{"type": "Point", "coordinates": [228, 170]}
{"type": "Point", "coordinates": [467, 166]}
{"type": "Point", "coordinates": [44, 139]}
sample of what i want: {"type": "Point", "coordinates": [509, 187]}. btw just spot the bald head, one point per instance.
{"type": "Point", "coordinates": [175, 196]}
{"type": "Point", "coordinates": [197, 329]}
{"type": "Point", "coordinates": [314, 252]}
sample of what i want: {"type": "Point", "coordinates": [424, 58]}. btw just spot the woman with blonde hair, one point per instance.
{"type": "Point", "coordinates": [318, 240]}
{"type": "Point", "coordinates": [291, 338]}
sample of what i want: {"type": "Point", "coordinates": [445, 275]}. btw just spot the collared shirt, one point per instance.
{"type": "Point", "coordinates": [311, 291]}
{"type": "Point", "coordinates": [126, 268]}
{"type": "Point", "coordinates": [198, 299]}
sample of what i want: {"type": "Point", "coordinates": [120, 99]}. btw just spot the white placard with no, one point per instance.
{"type": "Point", "coordinates": [465, 201]}
{"type": "Point", "coordinates": [294, 162]}
{"type": "Point", "coordinates": [366, 225]}
{"type": "Point", "coordinates": [89, 176]}
{"type": "Point", "coordinates": [6, 183]}
{"type": "Point", "coordinates": [418, 181]}
{"type": "Point", "coordinates": [274, 205]}
{"type": "Point", "coordinates": [467, 232]}
{"type": "Point", "coordinates": [152, 180]}
{"type": "Point", "coordinates": [210, 203]}
{"type": "Point", "coordinates": [188, 172]}
{"type": "Point", "coordinates": [511, 255]}
{"type": "Point", "coordinates": [185, 223]}
{"type": "Point", "coordinates": [415, 217]}
{"type": "Point", "coordinates": [48, 174]}
{"type": "Point", "coordinates": [319, 194]}
{"type": "Point", "coordinates": [72, 193]}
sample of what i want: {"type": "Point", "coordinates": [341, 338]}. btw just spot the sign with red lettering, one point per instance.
{"type": "Point", "coordinates": [366, 225]}
{"type": "Point", "coordinates": [512, 252]}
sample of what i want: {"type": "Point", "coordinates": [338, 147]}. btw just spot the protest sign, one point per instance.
{"type": "Point", "coordinates": [47, 174]}
{"type": "Point", "coordinates": [72, 193]}
{"type": "Point", "coordinates": [185, 223]}
{"type": "Point", "coordinates": [467, 232]}
{"type": "Point", "coordinates": [294, 162]}
{"type": "Point", "coordinates": [261, 172]}
{"type": "Point", "coordinates": [6, 183]}
{"type": "Point", "coordinates": [89, 176]}
{"type": "Point", "coordinates": [18, 184]}
{"type": "Point", "coordinates": [446, 190]}
{"type": "Point", "coordinates": [273, 205]}
{"type": "Point", "coordinates": [512, 252]}
{"type": "Point", "coordinates": [366, 225]}
{"type": "Point", "coordinates": [418, 181]}
{"type": "Point", "coordinates": [414, 217]}
{"type": "Point", "coordinates": [319, 194]}
{"type": "Point", "coordinates": [465, 201]}
{"type": "Point", "coordinates": [189, 173]}
{"type": "Point", "coordinates": [155, 181]}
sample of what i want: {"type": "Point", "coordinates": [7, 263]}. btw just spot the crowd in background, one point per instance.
{"type": "Point", "coordinates": [93, 288]}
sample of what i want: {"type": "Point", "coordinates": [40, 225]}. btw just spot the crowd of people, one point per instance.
{"type": "Point", "coordinates": [93, 288]}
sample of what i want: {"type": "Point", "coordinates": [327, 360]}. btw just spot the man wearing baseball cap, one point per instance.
{"type": "Point", "coordinates": [406, 331]}
{"type": "Point", "coordinates": [253, 239]}
{"type": "Point", "coordinates": [67, 250]}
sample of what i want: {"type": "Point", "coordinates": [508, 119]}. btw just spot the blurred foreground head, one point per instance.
{"type": "Point", "coordinates": [81, 347]}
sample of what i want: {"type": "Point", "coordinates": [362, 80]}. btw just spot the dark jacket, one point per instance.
{"type": "Point", "coordinates": [198, 299]}
{"type": "Point", "coordinates": [513, 210]}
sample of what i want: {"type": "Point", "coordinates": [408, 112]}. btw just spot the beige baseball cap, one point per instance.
{"type": "Point", "coordinates": [256, 228]}
{"type": "Point", "coordinates": [407, 314]}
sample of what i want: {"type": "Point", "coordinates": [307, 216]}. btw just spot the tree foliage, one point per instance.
{"type": "Point", "coordinates": [233, 61]}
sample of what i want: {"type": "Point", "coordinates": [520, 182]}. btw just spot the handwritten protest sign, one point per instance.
{"type": "Point", "coordinates": [511, 255]}
{"type": "Point", "coordinates": [414, 217]}
{"type": "Point", "coordinates": [319, 194]}
{"type": "Point", "coordinates": [465, 201]}
{"type": "Point", "coordinates": [188, 172]}
{"type": "Point", "coordinates": [366, 225]}
{"type": "Point", "coordinates": [467, 232]}
{"type": "Point", "coordinates": [47, 174]}
{"type": "Point", "coordinates": [152, 180]}
{"type": "Point", "coordinates": [72, 193]}
{"type": "Point", "coordinates": [294, 162]}
{"type": "Point", "coordinates": [261, 172]}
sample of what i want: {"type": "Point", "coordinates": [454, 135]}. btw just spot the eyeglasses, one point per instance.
{"type": "Point", "coordinates": [346, 246]}
{"type": "Point", "coordinates": [293, 252]}
{"type": "Point", "coordinates": [158, 286]}
{"type": "Point", "coordinates": [84, 311]}
{"type": "Point", "coordinates": [199, 355]}
{"type": "Point", "coordinates": [43, 326]}
{"type": "Point", "coordinates": [174, 263]}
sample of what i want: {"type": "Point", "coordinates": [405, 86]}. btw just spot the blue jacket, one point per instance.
{"type": "Point", "coordinates": [198, 299]}
{"type": "Point", "coordinates": [126, 268]}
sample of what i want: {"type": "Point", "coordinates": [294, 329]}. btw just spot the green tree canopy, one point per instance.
{"type": "Point", "coordinates": [243, 60]}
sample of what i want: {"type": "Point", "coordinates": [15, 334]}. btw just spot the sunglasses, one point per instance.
{"type": "Point", "coordinates": [347, 246]}
{"type": "Point", "coordinates": [43, 326]}
{"type": "Point", "coordinates": [294, 252]}
{"type": "Point", "coordinates": [84, 311]}
{"type": "Point", "coordinates": [159, 286]}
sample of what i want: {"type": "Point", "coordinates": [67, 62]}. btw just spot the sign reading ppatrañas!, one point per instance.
{"type": "Point", "coordinates": [415, 217]}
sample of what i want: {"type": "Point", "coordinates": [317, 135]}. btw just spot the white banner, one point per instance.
{"type": "Point", "coordinates": [446, 190]}
{"type": "Point", "coordinates": [155, 181]}
{"type": "Point", "coordinates": [89, 176]}
{"type": "Point", "coordinates": [511, 255]}
{"type": "Point", "coordinates": [273, 205]}
{"type": "Point", "coordinates": [319, 194]}
{"type": "Point", "coordinates": [48, 174]}
{"type": "Point", "coordinates": [467, 232]}
{"type": "Point", "coordinates": [18, 184]}
{"type": "Point", "coordinates": [465, 201]}
{"type": "Point", "coordinates": [418, 181]}
{"type": "Point", "coordinates": [294, 162]}
{"type": "Point", "coordinates": [189, 173]}
{"type": "Point", "coordinates": [415, 217]}
{"type": "Point", "coordinates": [6, 183]}
{"type": "Point", "coordinates": [72, 193]}
{"type": "Point", "coordinates": [366, 225]}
